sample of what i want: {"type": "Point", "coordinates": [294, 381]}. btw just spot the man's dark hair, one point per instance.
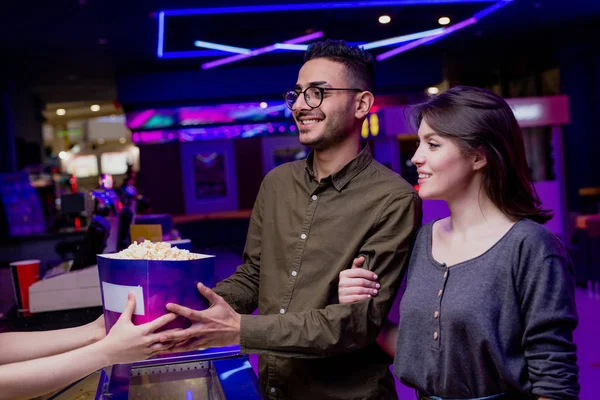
{"type": "Point", "coordinates": [358, 62]}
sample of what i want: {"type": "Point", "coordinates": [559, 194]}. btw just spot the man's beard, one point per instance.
{"type": "Point", "coordinates": [330, 137]}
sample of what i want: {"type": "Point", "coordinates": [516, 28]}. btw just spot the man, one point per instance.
{"type": "Point", "coordinates": [310, 220]}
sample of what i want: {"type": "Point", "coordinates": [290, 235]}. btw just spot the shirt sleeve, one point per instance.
{"type": "Point", "coordinates": [550, 317]}
{"type": "Point", "coordinates": [240, 290]}
{"type": "Point", "coordinates": [342, 328]}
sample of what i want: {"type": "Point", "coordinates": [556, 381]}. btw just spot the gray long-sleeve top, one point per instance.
{"type": "Point", "coordinates": [502, 322]}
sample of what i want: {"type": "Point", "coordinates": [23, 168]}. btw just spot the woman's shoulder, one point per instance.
{"type": "Point", "coordinates": [531, 236]}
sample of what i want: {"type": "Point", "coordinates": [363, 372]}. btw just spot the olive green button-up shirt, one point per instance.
{"type": "Point", "coordinates": [302, 234]}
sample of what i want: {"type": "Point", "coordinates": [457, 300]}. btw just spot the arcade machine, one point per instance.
{"type": "Point", "coordinates": [541, 120]}
{"type": "Point", "coordinates": [75, 284]}
{"type": "Point", "coordinates": [20, 208]}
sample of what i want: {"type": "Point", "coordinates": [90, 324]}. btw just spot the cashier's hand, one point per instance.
{"type": "Point", "coordinates": [126, 342]}
{"type": "Point", "coordinates": [217, 326]}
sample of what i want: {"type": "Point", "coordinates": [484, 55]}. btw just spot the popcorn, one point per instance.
{"type": "Point", "coordinates": [154, 251]}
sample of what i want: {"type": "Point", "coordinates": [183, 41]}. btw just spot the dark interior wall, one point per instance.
{"type": "Point", "coordinates": [248, 158]}
{"type": "Point", "coordinates": [161, 179]}
{"type": "Point", "coordinates": [162, 182]}
{"type": "Point", "coordinates": [234, 83]}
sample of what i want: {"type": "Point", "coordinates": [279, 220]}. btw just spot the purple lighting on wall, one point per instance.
{"type": "Point", "coordinates": [262, 50]}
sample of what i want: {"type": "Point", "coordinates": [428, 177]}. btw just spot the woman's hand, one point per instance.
{"type": "Point", "coordinates": [126, 342]}
{"type": "Point", "coordinates": [357, 283]}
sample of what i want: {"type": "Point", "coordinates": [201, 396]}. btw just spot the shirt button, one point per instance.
{"type": "Point", "coordinates": [435, 336]}
{"type": "Point", "coordinates": [445, 274]}
{"type": "Point", "coordinates": [303, 236]}
{"type": "Point", "coordinates": [314, 197]}
{"type": "Point", "coordinates": [294, 273]}
{"type": "Point", "coordinates": [436, 315]}
{"type": "Point", "coordinates": [272, 390]}
{"type": "Point", "coordinates": [282, 311]}
{"type": "Point", "coordinates": [440, 293]}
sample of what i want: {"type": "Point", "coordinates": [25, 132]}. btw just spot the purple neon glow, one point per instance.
{"type": "Point", "coordinates": [261, 50]}
{"type": "Point", "coordinates": [424, 40]}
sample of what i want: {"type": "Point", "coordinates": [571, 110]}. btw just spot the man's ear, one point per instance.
{"type": "Point", "coordinates": [364, 103]}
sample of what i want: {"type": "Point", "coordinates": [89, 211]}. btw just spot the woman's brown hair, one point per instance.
{"type": "Point", "coordinates": [479, 120]}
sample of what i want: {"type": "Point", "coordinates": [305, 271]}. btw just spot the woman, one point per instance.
{"type": "Point", "coordinates": [36, 363]}
{"type": "Point", "coordinates": [489, 309]}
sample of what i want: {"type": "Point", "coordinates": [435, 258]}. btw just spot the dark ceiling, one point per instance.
{"type": "Point", "coordinates": [72, 49]}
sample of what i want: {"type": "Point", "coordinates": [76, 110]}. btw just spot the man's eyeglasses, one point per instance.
{"type": "Point", "coordinates": [313, 95]}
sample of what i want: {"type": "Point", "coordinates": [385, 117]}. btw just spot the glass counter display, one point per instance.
{"type": "Point", "coordinates": [213, 374]}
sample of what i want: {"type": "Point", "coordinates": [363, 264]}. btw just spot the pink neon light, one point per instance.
{"type": "Point", "coordinates": [151, 136]}
{"type": "Point", "coordinates": [261, 50]}
{"type": "Point", "coordinates": [419, 42]}
{"type": "Point", "coordinates": [140, 118]}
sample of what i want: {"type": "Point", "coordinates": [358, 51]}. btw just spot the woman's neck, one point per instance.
{"type": "Point", "coordinates": [473, 213]}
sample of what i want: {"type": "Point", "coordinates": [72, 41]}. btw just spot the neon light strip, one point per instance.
{"type": "Point", "coordinates": [161, 34]}
{"type": "Point", "coordinates": [283, 46]}
{"type": "Point", "coordinates": [222, 47]}
{"type": "Point", "coordinates": [259, 51]}
{"type": "Point", "coordinates": [483, 13]}
{"type": "Point", "coordinates": [285, 7]}
{"type": "Point", "coordinates": [424, 40]}
{"type": "Point", "coordinates": [140, 119]}
{"type": "Point", "coordinates": [446, 32]}
{"type": "Point", "coordinates": [401, 39]}
{"type": "Point", "coordinates": [312, 6]}
{"type": "Point", "coordinates": [487, 11]}
{"type": "Point", "coordinates": [197, 53]}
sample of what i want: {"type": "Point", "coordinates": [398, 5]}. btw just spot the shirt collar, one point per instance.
{"type": "Point", "coordinates": [348, 172]}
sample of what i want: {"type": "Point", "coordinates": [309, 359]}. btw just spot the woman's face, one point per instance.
{"type": "Point", "coordinates": [444, 171]}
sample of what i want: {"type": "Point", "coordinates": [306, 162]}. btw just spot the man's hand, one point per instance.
{"type": "Point", "coordinates": [217, 326]}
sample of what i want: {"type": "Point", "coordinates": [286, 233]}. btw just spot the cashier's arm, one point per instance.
{"type": "Point", "coordinates": [21, 346]}
{"type": "Point", "coordinates": [125, 343]}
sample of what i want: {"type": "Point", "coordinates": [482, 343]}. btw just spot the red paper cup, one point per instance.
{"type": "Point", "coordinates": [25, 273]}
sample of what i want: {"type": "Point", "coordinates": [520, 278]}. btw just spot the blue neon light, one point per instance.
{"type": "Point", "coordinates": [487, 11]}
{"type": "Point", "coordinates": [311, 6]}
{"type": "Point", "coordinates": [222, 47]}
{"type": "Point", "coordinates": [401, 39]}
{"type": "Point", "coordinates": [227, 374]}
{"type": "Point", "coordinates": [161, 34]}
{"type": "Point", "coordinates": [415, 39]}
{"type": "Point", "coordinates": [195, 53]}
{"type": "Point", "coordinates": [285, 7]}
{"type": "Point", "coordinates": [294, 47]}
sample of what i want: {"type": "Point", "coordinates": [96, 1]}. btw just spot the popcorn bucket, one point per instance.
{"type": "Point", "coordinates": [154, 283]}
